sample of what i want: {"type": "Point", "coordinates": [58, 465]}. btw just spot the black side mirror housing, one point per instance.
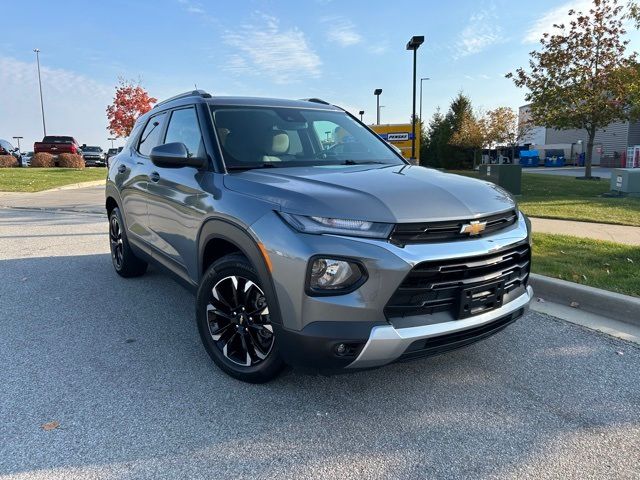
{"type": "Point", "coordinates": [175, 155]}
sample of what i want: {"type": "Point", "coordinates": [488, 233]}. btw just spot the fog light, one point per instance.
{"type": "Point", "coordinates": [341, 349]}
{"type": "Point", "coordinates": [333, 275]}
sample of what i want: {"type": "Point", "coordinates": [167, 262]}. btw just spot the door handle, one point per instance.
{"type": "Point", "coordinates": [154, 176]}
{"type": "Point", "coordinates": [122, 168]}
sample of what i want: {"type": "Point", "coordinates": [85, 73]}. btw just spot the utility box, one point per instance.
{"type": "Point", "coordinates": [626, 181]}
{"type": "Point", "coordinates": [507, 176]}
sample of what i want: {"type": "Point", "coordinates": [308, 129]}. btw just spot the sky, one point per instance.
{"type": "Point", "coordinates": [337, 50]}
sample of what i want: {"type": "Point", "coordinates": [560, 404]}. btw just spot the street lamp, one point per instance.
{"type": "Point", "coordinates": [37, 52]}
{"type": "Point", "coordinates": [18, 140]}
{"type": "Point", "coordinates": [414, 44]}
{"type": "Point", "coordinates": [361, 112]}
{"type": "Point", "coordinates": [422, 80]}
{"type": "Point", "coordinates": [377, 93]}
{"type": "Point", "coordinates": [112, 139]}
{"type": "Point", "coordinates": [380, 110]}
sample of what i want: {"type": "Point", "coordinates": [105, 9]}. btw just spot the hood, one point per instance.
{"type": "Point", "coordinates": [380, 193]}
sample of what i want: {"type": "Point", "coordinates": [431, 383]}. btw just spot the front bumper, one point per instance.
{"type": "Point", "coordinates": [386, 343]}
{"type": "Point", "coordinates": [312, 326]}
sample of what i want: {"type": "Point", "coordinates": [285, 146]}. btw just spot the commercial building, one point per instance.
{"type": "Point", "coordinates": [610, 146]}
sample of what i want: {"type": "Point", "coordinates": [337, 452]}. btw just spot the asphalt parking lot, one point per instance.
{"type": "Point", "coordinates": [118, 363]}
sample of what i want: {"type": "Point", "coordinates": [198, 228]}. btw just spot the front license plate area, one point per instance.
{"type": "Point", "coordinates": [480, 299]}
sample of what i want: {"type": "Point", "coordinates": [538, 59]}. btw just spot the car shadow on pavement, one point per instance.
{"type": "Point", "coordinates": [119, 364]}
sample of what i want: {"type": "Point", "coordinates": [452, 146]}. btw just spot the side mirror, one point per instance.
{"type": "Point", "coordinates": [174, 155]}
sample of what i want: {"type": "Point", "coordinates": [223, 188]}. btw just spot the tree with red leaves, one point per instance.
{"type": "Point", "coordinates": [129, 102]}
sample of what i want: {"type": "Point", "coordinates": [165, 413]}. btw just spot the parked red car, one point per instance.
{"type": "Point", "coordinates": [56, 145]}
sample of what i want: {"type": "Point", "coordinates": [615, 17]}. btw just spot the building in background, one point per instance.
{"type": "Point", "coordinates": [609, 149]}
{"type": "Point", "coordinates": [532, 135]}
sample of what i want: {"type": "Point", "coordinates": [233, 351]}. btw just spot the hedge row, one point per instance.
{"type": "Point", "coordinates": [64, 160]}
{"type": "Point", "coordinates": [7, 161]}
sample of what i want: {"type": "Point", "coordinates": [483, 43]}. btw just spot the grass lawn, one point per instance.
{"type": "Point", "coordinates": [606, 265]}
{"type": "Point", "coordinates": [37, 179]}
{"type": "Point", "coordinates": [550, 196]}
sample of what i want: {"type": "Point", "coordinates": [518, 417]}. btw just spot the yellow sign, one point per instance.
{"type": "Point", "coordinates": [400, 136]}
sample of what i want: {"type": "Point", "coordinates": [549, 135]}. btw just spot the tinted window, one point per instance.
{"type": "Point", "coordinates": [151, 134]}
{"type": "Point", "coordinates": [183, 127]}
{"type": "Point", "coordinates": [52, 139]}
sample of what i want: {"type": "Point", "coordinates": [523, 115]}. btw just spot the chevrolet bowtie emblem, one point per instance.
{"type": "Point", "coordinates": [473, 228]}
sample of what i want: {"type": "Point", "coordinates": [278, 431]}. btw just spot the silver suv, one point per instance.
{"type": "Point", "coordinates": [309, 240]}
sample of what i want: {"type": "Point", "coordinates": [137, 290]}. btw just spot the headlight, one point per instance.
{"type": "Point", "coordinates": [334, 276]}
{"type": "Point", "coordinates": [355, 228]}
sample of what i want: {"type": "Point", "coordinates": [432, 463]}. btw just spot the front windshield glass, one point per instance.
{"type": "Point", "coordinates": [260, 137]}
{"type": "Point", "coordinates": [92, 149]}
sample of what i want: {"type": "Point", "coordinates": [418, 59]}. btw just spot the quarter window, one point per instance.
{"type": "Point", "coordinates": [183, 127]}
{"type": "Point", "coordinates": [151, 134]}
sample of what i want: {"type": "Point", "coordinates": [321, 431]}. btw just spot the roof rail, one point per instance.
{"type": "Point", "coordinates": [193, 93]}
{"type": "Point", "coordinates": [315, 100]}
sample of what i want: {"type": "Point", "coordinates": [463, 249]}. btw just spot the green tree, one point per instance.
{"type": "Point", "coordinates": [575, 80]}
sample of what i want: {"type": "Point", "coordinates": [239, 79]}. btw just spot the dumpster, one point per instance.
{"type": "Point", "coordinates": [529, 158]}
{"type": "Point", "coordinates": [554, 158]}
{"type": "Point", "coordinates": [508, 176]}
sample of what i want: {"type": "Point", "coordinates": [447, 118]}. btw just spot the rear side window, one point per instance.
{"type": "Point", "coordinates": [151, 134]}
{"type": "Point", "coordinates": [184, 128]}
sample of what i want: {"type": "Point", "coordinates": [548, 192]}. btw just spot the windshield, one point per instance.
{"type": "Point", "coordinates": [91, 149]}
{"type": "Point", "coordinates": [260, 137]}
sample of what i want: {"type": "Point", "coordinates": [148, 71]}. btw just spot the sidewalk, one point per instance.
{"type": "Point", "coordinates": [87, 199]}
{"type": "Point", "coordinates": [623, 234]}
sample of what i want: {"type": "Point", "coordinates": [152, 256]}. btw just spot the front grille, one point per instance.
{"type": "Point", "coordinates": [436, 286]}
{"type": "Point", "coordinates": [432, 232]}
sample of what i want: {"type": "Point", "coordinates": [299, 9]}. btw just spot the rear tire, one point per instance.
{"type": "Point", "coordinates": [124, 260]}
{"type": "Point", "coordinates": [232, 312]}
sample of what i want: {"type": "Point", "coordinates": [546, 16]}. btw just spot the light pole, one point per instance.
{"type": "Point", "coordinates": [18, 140]}
{"type": "Point", "coordinates": [380, 110]}
{"type": "Point", "coordinates": [377, 93]}
{"type": "Point", "coordinates": [413, 44]}
{"type": "Point", "coordinates": [422, 80]}
{"type": "Point", "coordinates": [361, 112]}
{"type": "Point", "coordinates": [37, 52]}
{"type": "Point", "coordinates": [112, 139]}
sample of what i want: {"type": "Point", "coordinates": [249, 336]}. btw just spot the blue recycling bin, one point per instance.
{"type": "Point", "coordinates": [554, 158]}
{"type": "Point", "coordinates": [529, 158]}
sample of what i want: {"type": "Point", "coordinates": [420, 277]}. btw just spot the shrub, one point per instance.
{"type": "Point", "coordinates": [7, 161]}
{"type": "Point", "coordinates": [42, 160]}
{"type": "Point", "coordinates": [69, 160]}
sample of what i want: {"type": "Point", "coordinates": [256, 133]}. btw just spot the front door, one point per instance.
{"type": "Point", "coordinates": [176, 206]}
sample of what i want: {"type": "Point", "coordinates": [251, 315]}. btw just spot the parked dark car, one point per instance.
{"type": "Point", "coordinates": [93, 156]}
{"type": "Point", "coordinates": [329, 259]}
{"type": "Point", "coordinates": [56, 144]}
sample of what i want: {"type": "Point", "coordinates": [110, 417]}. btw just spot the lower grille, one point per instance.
{"type": "Point", "coordinates": [437, 286]}
{"type": "Point", "coordinates": [452, 341]}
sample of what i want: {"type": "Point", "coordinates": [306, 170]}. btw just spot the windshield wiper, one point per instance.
{"type": "Point", "coordinates": [367, 162]}
{"type": "Point", "coordinates": [250, 167]}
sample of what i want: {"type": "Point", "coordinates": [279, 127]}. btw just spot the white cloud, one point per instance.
{"type": "Point", "coordinates": [263, 48]}
{"type": "Point", "coordinates": [74, 104]}
{"type": "Point", "coordinates": [342, 31]}
{"type": "Point", "coordinates": [192, 7]}
{"type": "Point", "coordinates": [557, 15]}
{"type": "Point", "coordinates": [481, 32]}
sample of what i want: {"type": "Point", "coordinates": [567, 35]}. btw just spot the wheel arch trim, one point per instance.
{"type": "Point", "coordinates": [240, 237]}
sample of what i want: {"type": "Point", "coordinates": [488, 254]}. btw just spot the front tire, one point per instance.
{"type": "Point", "coordinates": [234, 322]}
{"type": "Point", "coordinates": [124, 260]}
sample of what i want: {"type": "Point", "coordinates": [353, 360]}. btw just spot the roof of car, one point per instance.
{"type": "Point", "coordinates": [202, 96]}
{"type": "Point", "coordinates": [271, 102]}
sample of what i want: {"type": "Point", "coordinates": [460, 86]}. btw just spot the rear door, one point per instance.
{"type": "Point", "coordinates": [133, 170]}
{"type": "Point", "coordinates": [175, 194]}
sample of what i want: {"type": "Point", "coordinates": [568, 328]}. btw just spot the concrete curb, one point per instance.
{"type": "Point", "coordinates": [73, 186]}
{"type": "Point", "coordinates": [601, 302]}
